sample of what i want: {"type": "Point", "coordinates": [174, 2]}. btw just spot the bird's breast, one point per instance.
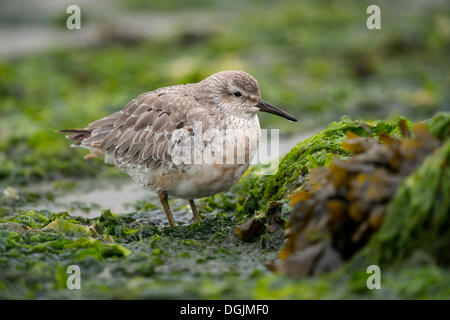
{"type": "Point", "coordinates": [216, 161]}
{"type": "Point", "coordinates": [198, 181]}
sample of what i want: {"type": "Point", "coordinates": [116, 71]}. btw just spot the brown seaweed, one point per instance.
{"type": "Point", "coordinates": [346, 203]}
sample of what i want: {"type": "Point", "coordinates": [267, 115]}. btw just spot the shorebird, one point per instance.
{"type": "Point", "coordinates": [141, 138]}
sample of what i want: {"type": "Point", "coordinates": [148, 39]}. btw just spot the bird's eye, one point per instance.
{"type": "Point", "coordinates": [237, 94]}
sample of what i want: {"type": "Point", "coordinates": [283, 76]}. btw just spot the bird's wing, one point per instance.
{"type": "Point", "coordinates": [141, 133]}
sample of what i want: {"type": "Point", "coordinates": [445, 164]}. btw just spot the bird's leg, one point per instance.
{"type": "Point", "coordinates": [194, 210]}
{"type": "Point", "coordinates": [163, 198]}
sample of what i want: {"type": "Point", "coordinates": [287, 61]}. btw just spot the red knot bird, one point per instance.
{"type": "Point", "coordinates": [145, 138]}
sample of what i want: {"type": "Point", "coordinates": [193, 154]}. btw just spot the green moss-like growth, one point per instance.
{"type": "Point", "coordinates": [440, 125]}
{"type": "Point", "coordinates": [126, 256]}
{"type": "Point", "coordinates": [314, 152]}
{"type": "Point", "coordinates": [426, 281]}
{"type": "Point", "coordinates": [412, 247]}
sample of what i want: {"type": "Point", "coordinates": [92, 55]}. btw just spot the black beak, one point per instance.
{"type": "Point", "coordinates": [267, 107]}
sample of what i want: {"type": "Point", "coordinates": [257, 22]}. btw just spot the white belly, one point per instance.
{"type": "Point", "coordinates": [198, 180]}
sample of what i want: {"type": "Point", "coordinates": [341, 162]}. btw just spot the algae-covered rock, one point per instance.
{"type": "Point", "coordinates": [255, 226]}
{"type": "Point", "coordinates": [315, 151]}
{"type": "Point", "coordinates": [440, 125]}
{"type": "Point", "coordinates": [348, 201]}
{"type": "Point", "coordinates": [418, 217]}
{"type": "Point", "coordinates": [261, 192]}
{"type": "Point", "coordinates": [411, 246]}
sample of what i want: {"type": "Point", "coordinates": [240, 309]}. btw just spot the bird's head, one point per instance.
{"type": "Point", "coordinates": [238, 93]}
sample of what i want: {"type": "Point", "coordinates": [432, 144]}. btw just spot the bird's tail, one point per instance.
{"type": "Point", "coordinates": [76, 135]}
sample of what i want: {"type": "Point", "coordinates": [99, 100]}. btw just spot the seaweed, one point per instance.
{"type": "Point", "coordinates": [125, 256]}
{"type": "Point", "coordinates": [347, 203]}
{"type": "Point", "coordinates": [410, 245]}
{"type": "Point", "coordinates": [418, 216]}
{"type": "Point", "coordinates": [294, 168]}
{"type": "Point", "coordinates": [262, 192]}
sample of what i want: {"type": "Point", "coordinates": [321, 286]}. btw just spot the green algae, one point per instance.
{"type": "Point", "coordinates": [440, 125]}
{"type": "Point", "coordinates": [127, 257]}
{"type": "Point", "coordinates": [411, 247]}
{"type": "Point", "coordinates": [425, 281]}
{"type": "Point", "coordinates": [316, 151]}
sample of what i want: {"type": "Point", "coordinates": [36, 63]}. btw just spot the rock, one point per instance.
{"type": "Point", "coordinates": [251, 229]}
{"type": "Point", "coordinates": [329, 260]}
{"type": "Point", "coordinates": [301, 263]}
{"type": "Point", "coordinates": [317, 258]}
{"type": "Point", "coordinates": [347, 203]}
{"type": "Point", "coordinates": [258, 224]}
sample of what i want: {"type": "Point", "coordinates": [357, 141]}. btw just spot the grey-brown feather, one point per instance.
{"type": "Point", "coordinates": [139, 138]}
{"type": "Point", "coordinates": [140, 134]}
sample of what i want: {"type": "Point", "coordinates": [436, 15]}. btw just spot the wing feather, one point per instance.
{"type": "Point", "coordinates": [141, 133]}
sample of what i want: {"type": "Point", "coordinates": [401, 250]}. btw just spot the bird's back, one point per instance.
{"type": "Point", "coordinates": [141, 133]}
